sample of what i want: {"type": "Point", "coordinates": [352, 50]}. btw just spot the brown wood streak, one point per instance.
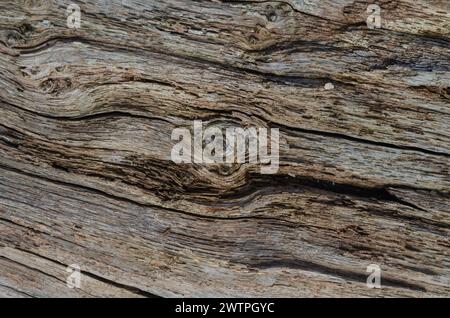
{"type": "Point", "coordinates": [85, 173]}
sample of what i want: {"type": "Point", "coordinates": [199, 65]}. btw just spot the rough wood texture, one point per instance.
{"type": "Point", "coordinates": [86, 117]}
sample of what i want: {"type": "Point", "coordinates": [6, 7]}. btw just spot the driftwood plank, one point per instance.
{"type": "Point", "coordinates": [86, 176]}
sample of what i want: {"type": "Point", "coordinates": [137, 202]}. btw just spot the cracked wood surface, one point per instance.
{"type": "Point", "coordinates": [86, 178]}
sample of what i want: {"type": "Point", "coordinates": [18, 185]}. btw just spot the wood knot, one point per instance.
{"type": "Point", "coordinates": [271, 14]}
{"type": "Point", "coordinates": [55, 85]}
{"type": "Point", "coordinates": [26, 29]}
{"type": "Point", "coordinates": [19, 36]}
{"type": "Point", "coordinates": [358, 8]}
{"type": "Point", "coordinates": [259, 35]}
{"type": "Point", "coordinates": [252, 39]}
{"type": "Point", "coordinates": [284, 10]}
{"type": "Point", "coordinates": [14, 38]}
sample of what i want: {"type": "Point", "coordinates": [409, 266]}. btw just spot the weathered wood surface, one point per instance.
{"type": "Point", "coordinates": [86, 117]}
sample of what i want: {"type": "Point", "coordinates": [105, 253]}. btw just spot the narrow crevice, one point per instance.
{"type": "Point", "coordinates": [145, 205]}
{"type": "Point", "coordinates": [360, 140]}
{"type": "Point", "coordinates": [337, 272]}
{"type": "Point", "coordinates": [17, 291]}
{"type": "Point", "coordinates": [296, 46]}
{"type": "Point", "coordinates": [132, 289]}
{"type": "Point", "coordinates": [38, 270]}
{"type": "Point", "coordinates": [100, 115]}
{"type": "Point", "coordinates": [286, 182]}
{"type": "Point", "coordinates": [282, 127]}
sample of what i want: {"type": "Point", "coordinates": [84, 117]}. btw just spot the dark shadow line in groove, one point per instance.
{"type": "Point", "coordinates": [360, 140]}
{"type": "Point", "coordinates": [341, 273]}
{"type": "Point", "coordinates": [288, 182]}
{"type": "Point", "coordinates": [130, 201]}
{"type": "Point", "coordinates": [17, 291]}
{"type": "Point", "coordinates": [99, 115]}
{"type": "Point", "coordinates": [36, 269]}
{"type": "Point", "coordinates": [283, 183]}
{"type": "Point", "coordinates": [296, 46]}
{"type": "Point", "coordinates": [336, 135]}
{"type": "Point", "coordinates": [282, 127]}
{"type": "Point", "coordinates": [132, 289]}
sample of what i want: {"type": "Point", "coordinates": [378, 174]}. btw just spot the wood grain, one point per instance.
{"type": "Point", "coordinates": [86, 117]}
